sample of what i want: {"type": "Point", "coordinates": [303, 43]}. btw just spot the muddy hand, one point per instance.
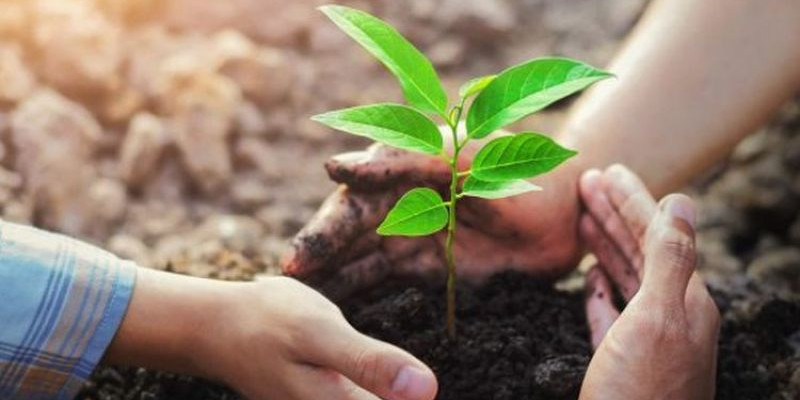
{"type": "Point", "coordinates": [663, 345]}
{"type": "Point", "coordinates": [535, 233]}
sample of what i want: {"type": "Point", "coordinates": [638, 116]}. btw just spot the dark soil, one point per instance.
{"type": "Point", "coordinates": [518, 338]}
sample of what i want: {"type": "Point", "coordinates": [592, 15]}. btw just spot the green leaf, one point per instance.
{"type": "Point", "coordinates": [475, 86]}
{"type": "Point", "coordinates": [421, 85]}
{"type": "Point", "coordinates": [519, 156]}
{"type": "Point", "coordinates": [526, 88]}
{"type": "Point", "coordinates": [393, 124]}
{"type": "Point", "coordinates": [419, 212]}
{"type": "Point", "coordinates": [497, 190]}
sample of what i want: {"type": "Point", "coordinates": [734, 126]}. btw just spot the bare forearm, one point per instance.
{"type": "Point", "coordinates": [168, 320]}
{"type": "Point", "coordinates": [693, 79]}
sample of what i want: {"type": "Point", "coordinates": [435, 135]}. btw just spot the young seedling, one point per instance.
{"type": "Point", "coordinates": [499, 169]}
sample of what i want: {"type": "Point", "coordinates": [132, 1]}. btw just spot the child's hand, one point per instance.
{"type": "Point", "coordinates": [282, 340]}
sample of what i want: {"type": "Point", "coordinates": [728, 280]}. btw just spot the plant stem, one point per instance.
{"type": "Point", "coordinates": [451, 225]}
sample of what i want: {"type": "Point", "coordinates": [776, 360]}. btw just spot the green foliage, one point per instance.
{"type": "Point", "coordinates": [475, 187]}
{"type": "Point", "coordinates": [421, 85]}
{"type": "Point", "coordinates": [500, 168]}
{"type": "Point", "coordinates": [393, 124]}
{"type": "Point", "coordinates": [520, 156]}
{"type": "Point", "coordinates": [526, 88]}
{"type": "Point", "coordinates": [419, 212]}
{"type": "Point", "coordinates": [475, 86]}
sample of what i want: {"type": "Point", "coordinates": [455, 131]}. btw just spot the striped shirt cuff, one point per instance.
{"type": "Point", "coordinates": [61, 302]}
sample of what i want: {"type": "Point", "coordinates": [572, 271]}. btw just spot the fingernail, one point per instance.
{"type": "Point", "coordinates": [591, 180]}
{"type": "Point", "coordinates": [682, 208]}
{"type": "Point", "coordinates": [413, 383]}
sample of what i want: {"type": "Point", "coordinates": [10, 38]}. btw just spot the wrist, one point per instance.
{"type": "Point", "coordinates": [172, 324]}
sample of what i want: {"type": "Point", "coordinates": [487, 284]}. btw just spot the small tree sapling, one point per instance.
{"type": "Point", "coordinates": [498, 170]}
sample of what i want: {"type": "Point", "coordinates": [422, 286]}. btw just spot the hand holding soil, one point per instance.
{"type": "Point", "coordinates": [665, 341]}
{"type": "Point", "coordinates": [534, 233]}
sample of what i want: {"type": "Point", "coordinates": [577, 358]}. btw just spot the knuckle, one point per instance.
{"type": "Point", "coordinates": [677, 248]}
{"type": "Point", "coordinates": [366, 368]}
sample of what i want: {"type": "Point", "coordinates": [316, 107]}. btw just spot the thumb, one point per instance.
{"type": "Point", "coordinates": [378, 367]}
{"type": "Point", "coordinates": [670, 251]}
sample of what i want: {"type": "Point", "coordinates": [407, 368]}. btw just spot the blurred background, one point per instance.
{"type": "Point", "coordinates": [176, 132]}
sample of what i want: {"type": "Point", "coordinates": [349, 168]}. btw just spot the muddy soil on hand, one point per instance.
{"type": "Point", "coordinates": [185, 120]}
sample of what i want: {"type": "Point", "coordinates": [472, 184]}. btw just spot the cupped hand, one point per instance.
{"type": "Point", "coordinates": [664, 344]}
{"type": "Point", "coordinates": [281, 340]}
{"type": "Point", "coordinates": [536, 232]}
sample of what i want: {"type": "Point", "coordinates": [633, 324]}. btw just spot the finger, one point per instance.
{"type": "Point", "coordinates": [614, 263]}
{"type": "Point", "coordinates": [630, 198]}
{"type": "Point", "coordinates": [595, 197]}
{"type": "Point", "coordinates": [427, 264]}
{"type": "Point", "coordinates": [310, 382]}
{"type": "Point", "coordinates": [670, 252]}
{"type": "Point", "coordinates": [704, 317]}
{"type": "Point", "coordinates": [358, 275]}
{"type": "Point", "coordinates": [600, 310]}
{"type": "Point", "coordinates": [381, 167]}
{"type": "Point", "coordinates": [378, 367]}
{"type": "Point", "coordinates": [327, 238]}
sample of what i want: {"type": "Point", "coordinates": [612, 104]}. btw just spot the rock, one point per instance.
{"type": "Point", "coordinates": [130, 248]}
{"type": "Point", "coordinates": [235, 232]}
{"type": "Point", "coordinates": [109, 201]}
{"type": "Point", "coordinates": [55, 140]}
{"type": "Point", "coordinates": [122, 104]}
{"type": "Point", "coordinates": [275, 22]}
{"type": "Point", "coordinates": [80, 49]}
{"type": "Point", "coordinates": [157, 218]}
{"type": "Point", "coordinates": [249, 193]}
{"type": "Point", "coordinates": [263, 74]}
{"type": "Point", "coordinates": [249, 120]}
{"type": "Point", "coordinates": [779, 269]}
{"type": "Point", "coordinates": [201, 108]}
{"type": "Point", "coordinates": [16, 81]}
{"type": "Point", "coordinates": [142, 149]}
{"type": "Point", "coordinates": [131, 11]}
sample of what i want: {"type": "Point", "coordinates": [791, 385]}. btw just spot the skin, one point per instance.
{"type": "Point", "coordinates": [693, 79]}
{"type": "Point", "coordinates": [664, 119]}
{"type": "Point", "coordinates": [670, 314]}
{"type": "Point", "coordinates": [276, 339]}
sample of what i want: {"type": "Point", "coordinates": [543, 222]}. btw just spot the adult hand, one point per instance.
{"type": "Point", "coordinates": [664, 344]}
{"type": "Point", "coordinates": [536, 232]}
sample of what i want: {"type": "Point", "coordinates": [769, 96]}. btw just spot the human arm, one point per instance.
{"type": "Point", "coordinates": [61, 302]}
{"type": "Point", "coordinates": [66, 304]}
{"type": "Point", "coordinates": [693, 79]}
{"type": "Point", "coordinates": [274, 339]}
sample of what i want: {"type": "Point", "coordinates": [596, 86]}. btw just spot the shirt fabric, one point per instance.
{"type": "Point", "coordinates": [61, 302]}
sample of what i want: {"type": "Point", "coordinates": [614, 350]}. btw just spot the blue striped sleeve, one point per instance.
{"type": "Point", "coordinates": [61, 302]}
